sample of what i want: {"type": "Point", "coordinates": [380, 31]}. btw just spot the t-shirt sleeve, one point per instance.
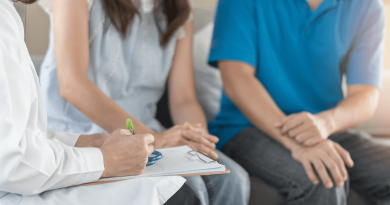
{"type": "Point", "coordinates": [366, 57]}
{"type": "Point", "coordinates": [47, 5]}
{"type": "Point", "coordinates": [235, 32]}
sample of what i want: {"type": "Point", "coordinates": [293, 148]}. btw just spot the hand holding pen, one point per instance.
{"type": "Point", "coordinates": [156, 155]}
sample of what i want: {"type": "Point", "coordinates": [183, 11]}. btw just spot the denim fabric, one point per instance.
{"type": "Point", "coordinates": [267, 159]}
{"type": "Point", "coordinates": [229, 189]}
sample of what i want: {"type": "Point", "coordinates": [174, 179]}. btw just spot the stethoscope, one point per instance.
{"type": "Point", "coordinates": [152, 159]}
{"type": "Point", "coordinates": [156, 155]}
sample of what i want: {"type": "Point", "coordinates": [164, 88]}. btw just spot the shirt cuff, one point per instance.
{"type": "Point", "coordinates": [69, 139]}
{"type": "Point", "coordinates": [93, 164]}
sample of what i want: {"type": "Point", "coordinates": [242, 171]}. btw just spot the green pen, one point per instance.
{"type": "Point", "coordinates": [151, 159]}
{"type": "Point", "coordinates": [130, 126]}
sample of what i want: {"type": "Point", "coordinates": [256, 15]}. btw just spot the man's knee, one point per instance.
{"type": "Point", "coordinates": [185, 196]}
{"type": "Point", "coordinates": [315, 194]}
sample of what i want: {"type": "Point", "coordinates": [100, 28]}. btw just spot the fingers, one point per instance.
{"type": "Point", "coordinates": [150, 149]}
{"type": "Point", "coordinates": [302, 137]}
{"type": "Point", "coordinates": [295, 132]}
{"type": "Point", "coordinates": [200, 147]}
{"type": "Point", "coordinates": [149, 138]}
{"type": "Point", "coordinates": [201, 131]}
{"type": "Point", "coordinates": [322, 172]}
{"type": "Point", "coordinates": [211, 138]}
{"type": "Point", "coordinates": [312, 141]}
{"type": "Point", "coordinates": [334, 169]}
{"type": "Point", "coordinates": [283, 121]}
{"type": "Point", "coordinates": [121, 132]}
{"type": "Point", "coordinates": [310, 172]}
{"type": "Point", "coordinates": [340, 163]}
{"type": "Point", "coordinates": [345, 155]}
{"type": "Point", "coordinates": [196, 137]}
{"type": "Point", "coordinates": [291, 124]}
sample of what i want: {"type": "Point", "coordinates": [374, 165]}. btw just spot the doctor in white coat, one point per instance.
{"type": "Point", "coordinates": [34, 160]}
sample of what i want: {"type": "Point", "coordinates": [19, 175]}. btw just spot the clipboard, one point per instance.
{"type": "Point", "coordinates": [177, 161]}
{"type": "Point", "coordinates": [227, 171]}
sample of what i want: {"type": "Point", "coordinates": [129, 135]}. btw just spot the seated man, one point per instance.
{"type": "Point", "coordinates": [34, 160]}
{"type": "Point", "coordinates": [283, 116]}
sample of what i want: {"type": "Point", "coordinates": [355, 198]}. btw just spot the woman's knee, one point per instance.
{"type": "Point", "coordinates": [185, 196]}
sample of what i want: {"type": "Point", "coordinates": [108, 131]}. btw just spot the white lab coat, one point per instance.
{"type": "Point", "coordinates": [34, 159]}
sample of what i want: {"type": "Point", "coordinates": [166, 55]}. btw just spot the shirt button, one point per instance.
{"type": "Point", "coordinates": [305, 6]}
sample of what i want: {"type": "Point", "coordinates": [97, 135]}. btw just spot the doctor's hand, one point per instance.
{"type": "Point", "coordinates": [305, 128]}
{"type": "Point", "coordinates": [125, 154]}
{"type": "Point", "coordinates": [324, 156]}
{"type": "Point", "coordinates": [95, 140]}
{"type": "Point", "coordinates": [194, 136]}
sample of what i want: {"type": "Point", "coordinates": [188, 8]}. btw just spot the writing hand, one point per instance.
{"type": "Point", "coordinates": [125, 154]}
{"type": "Point", "coordinates": [94, 140]}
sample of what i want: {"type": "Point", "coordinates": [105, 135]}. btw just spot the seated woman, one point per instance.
{"type": "Point", "coordinates": [35, 160]}
{"type": "Point", "coordinates": [110, 60]}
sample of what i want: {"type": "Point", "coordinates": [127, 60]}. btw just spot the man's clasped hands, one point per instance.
{"type": "Point", "coordinates": [311, 132]}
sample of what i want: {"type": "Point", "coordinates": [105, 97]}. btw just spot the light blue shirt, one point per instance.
{"type": "Point", "coordinates": [132, 71]}
{"type": "Point", "coordinates": [298, 54]}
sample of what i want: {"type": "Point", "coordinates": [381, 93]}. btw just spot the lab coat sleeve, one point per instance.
{"type": "Point", "coordinates": [32, 159]}
{"type": "Point", "coordinates": [69, 139]}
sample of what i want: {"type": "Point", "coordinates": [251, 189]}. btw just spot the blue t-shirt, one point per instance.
{"type": "Point", "coordinates": [298, 54]}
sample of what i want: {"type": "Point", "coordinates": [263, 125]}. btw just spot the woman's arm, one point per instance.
{"type": "Point", "coordinates": [70, 19]}
{"type": "Point", "coordinates": [183, 101]}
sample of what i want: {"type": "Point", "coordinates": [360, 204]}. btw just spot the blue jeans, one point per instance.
{"type": "Point", "coordinates": [267, 159]}
{"type": "Point", "coordinates": [227, 189]}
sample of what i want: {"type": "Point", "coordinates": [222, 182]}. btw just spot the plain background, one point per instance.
{"type": "Point", "coordinates": [38, 29]}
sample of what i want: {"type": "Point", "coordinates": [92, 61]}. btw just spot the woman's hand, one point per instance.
{"type": "Point", "coordinates": [196, 137]}
{"type": "Point", "coordinates": [326, 155]}
{"type": "Point", "coordinates": [202, 140]}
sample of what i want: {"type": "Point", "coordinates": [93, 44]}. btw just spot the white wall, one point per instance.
{"type": "Point", "coordinates": [38, 26]}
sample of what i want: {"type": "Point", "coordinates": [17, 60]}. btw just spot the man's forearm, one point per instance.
{"type": "Point", "coordinates": [356, 108]}
{"type": "Point", "coordinates": [253, 100]}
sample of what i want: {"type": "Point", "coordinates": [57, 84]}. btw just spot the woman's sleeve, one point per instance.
{"type": "Point", "coordinates": [47, 5]}
{"type": "Point", "coordinates": [30, 162]}
{"type": "Point", "coordinates": [181, 33]}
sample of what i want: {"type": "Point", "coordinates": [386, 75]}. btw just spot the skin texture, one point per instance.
{"type": "Point", "coordinates": [314, 4]}
{"type": "Point", "coordinates": [119, 160]}
{"type": "Point", "coordinates": [72, 56]}
{"type": "Point", "coordinates": [247, 92]}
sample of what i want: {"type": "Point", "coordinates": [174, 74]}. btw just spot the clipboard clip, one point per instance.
{"type": "Point", "coordinates": [199, 154]}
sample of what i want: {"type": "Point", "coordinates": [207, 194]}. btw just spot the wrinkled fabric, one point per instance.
{"type": "Point", "coordinates": [151, 191]}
